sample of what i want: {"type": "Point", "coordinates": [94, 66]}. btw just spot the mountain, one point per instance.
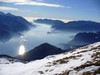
{"type": "Point", "coordinates": [1, 13]}
{"type": "Point", "coordinates": [72, 26]}
{"type": "Point", "coordinates": [82, 39]}
{"type": "Point", "coordinates": [5, 59]}
{"type": "Point", "coordinates": [48, 21]}
{"type": "Point", "coordinates": [82, 61]}
{"type": "Point", "coordinates": [40, 52]}
{"type": "Point", "coordinates": [11, 25]}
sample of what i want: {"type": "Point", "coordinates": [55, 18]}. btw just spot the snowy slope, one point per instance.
{"type": "Point", "coordinates": [5, 59]}
{"type": "Point", "coordinates": [81, 61]}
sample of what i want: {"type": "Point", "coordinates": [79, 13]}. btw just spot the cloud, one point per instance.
{"type": "Point", "coordinates": [13, 1]}
{"type": "Point", "coordinates": [38, 0]}
{"type": "Point", "coordinates": [40, 4]}
{"type": "Point", "coordinates": [8, 8]}
{"type": "Point", "coordinates": [30, 2]}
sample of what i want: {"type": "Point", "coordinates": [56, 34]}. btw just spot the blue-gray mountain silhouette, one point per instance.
{"type": "Point", "coordinates": [72, 26]}
{"type": "Point", "coordinates": [11, 25]}
{"type": "Point", "coordinates": [82, 39]}
{"type": "Point", "coordinates": [40, 52]}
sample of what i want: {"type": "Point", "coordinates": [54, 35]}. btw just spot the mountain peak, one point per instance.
{"type": "Point", "coordinates": [41, 51]}
{"type": "Point", "coordinates": [11, 25]}
{"type": "Point", "coordinates": [46, 45]}
{"type": "Point", "coordinates": [9, 14]}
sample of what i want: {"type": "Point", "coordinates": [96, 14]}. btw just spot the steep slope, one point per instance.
{"type": "Point", "coordinates": [40, 52]}
{"type": "Point", "coordinates": [81, 61]}
{"type": "Point", "coordinates": [11, 25]}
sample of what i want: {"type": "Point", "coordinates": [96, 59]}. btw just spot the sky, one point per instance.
{"type": "Point", "coordinates": [65, 10]}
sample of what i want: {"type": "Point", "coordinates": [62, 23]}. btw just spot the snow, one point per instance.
{"type": "Point", "coordinates": [38, 67]}
{"type": "Point", "coordinates": [90, 69]}
{"type": "Point", "coordinates": [4, 61]}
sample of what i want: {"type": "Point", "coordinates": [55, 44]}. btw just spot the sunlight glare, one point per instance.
{"type": "Point", "coordinates": [21, 50]}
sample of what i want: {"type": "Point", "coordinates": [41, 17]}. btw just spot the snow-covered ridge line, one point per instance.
{"type": "Point", "coordinates": [81, 61]}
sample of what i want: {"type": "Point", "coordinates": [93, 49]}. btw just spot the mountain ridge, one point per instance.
{"type": "Point", "coordinates": [82, 61]}
{"type": "Point", "coordinates": [40, 52]}
{"type": "Point", "coordinates": [71, 26]}
{"type": "Point", "coordinates": [11, 25]}
{"type": "Point", "coordinates": [82, 39]}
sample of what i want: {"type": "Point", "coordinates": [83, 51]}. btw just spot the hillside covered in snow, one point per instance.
{"type": "Point", "coordinates": [81, 61]}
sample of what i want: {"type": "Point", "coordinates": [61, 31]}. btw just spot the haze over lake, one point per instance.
{"type": "Point", "coordinates": [35, 37]}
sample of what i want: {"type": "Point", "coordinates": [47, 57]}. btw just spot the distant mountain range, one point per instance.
{"type": "Point", "coordinates": [87, 31]}
{"type": "Point", "coordinates": [40, 52]}
{"type": "Point", "coordinates": [72, 26]}
{"type": "Point", "coordinates": [11, 25]}
{"type": "Point", "coordinates": [82, 39]}
{"type": "Point", "coordinates": [48, 21]}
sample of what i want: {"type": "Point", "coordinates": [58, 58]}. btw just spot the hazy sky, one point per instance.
{"type": "Point", "coordinates": [55, 9]}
